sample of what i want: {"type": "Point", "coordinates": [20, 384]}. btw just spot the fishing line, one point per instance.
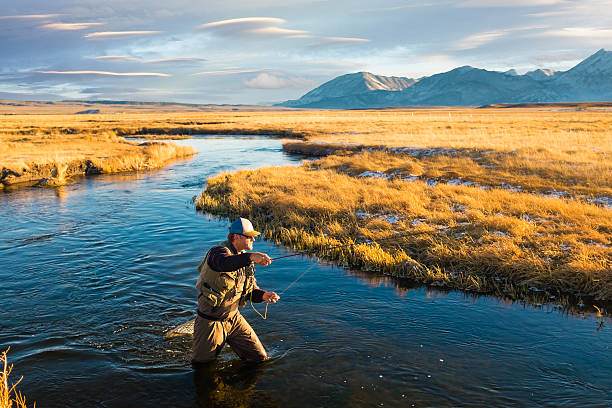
{"type": "Point", "coordinates": [265, 315]}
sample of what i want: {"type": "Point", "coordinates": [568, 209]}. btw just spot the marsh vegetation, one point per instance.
{"type": "Point", "coordinates": [487, 201]}
{"type": "Point", "coordinates": [503, 200]}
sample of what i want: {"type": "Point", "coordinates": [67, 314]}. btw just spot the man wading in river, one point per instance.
{"type": "Point", "coordinates": [226, 282]}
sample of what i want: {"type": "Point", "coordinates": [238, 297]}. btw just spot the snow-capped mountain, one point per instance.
{"type": "Point", "coordinates": [541, 74]}
{"type": "Point", "coordinates": [348, 85]}
{"type": "Point", "coordinates": [590, 80]}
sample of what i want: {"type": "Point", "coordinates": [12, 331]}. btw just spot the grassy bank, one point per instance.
{"type": "Point", "coordinates": [490, 202]}
{"type": "Point", "coordinates": [50, 156]}
{"type": "Point", "coordinates": [453, 236]}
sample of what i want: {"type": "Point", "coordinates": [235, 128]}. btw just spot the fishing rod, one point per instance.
{"type": "Point", "coordinates": [369, 241]}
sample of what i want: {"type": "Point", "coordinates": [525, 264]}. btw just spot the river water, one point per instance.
{"type": "Point", "coordinates": [93, 274]}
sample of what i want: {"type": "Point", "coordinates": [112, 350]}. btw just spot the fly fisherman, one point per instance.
{"type": "Point", "coordinates": [227, 281]}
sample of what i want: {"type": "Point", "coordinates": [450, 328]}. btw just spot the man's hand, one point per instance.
{"type": "Point", "coordinates": [260, 258]}
{"type": "Point", "coordinates": [270, 297]}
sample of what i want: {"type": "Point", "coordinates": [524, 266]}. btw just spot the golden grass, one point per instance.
{"type": "Point", "coordinates": [454, 236]}
{"type": "Point", "coordinates": [546, 143]}
{"type": "Point", "coordinates": [518, 171]}
{"type": "Point", "coordinates": [9, 396]}
{"type": "Point", "coordinates": [55, 156]}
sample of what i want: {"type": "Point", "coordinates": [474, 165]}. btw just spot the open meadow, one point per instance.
{"type": "Point", "coordinates": [506, 200]}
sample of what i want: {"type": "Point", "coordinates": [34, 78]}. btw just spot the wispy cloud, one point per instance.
{"type": "Point", "coordinates": [104, 73]}
{"type": "Point", "coordinates": [505, 3]}
{"type": "Point", "coordinates": [324, 41]}
{"type": "Point", "coordinates": [280, 32]}
{"type": "Point", "coordinates": [544, 59]}
{"type": "Point", "coordinates": [246, 23]}
{"type": "Point", "coordinates": [228, 72]}
{"type": "Point", "coordinates": [249, 26]}
{"type": "Point", "coordinates": [486, 37]}
{"type": "Point", "coordinates": [117, 58]}
{"type": "Point", "coordinates": [477, 40]}
{"type": "Point", "coordinates": [30, 17]}
{"type": "Point", "coordinates": [125, 58]}
{"type": "Point", "coordinates": [268, 81]}
{"type": "Point", "coordinates": [174, 60]}
{"type": "Point", "coordinates": [118, 34]}
{"type": "Point", "coordinates": [578, 32]}
{"type": "Point", "coordinates": [69, 26]}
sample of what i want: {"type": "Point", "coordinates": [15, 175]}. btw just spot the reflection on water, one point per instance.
{"type": "Point", "coordinates": [95, 273]}
{"type": "Point", "coordinates": [568, 304]}
{"type": "Point", "coordinates": [230, 385]}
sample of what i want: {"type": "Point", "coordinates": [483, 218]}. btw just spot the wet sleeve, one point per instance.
{"type": "Point", "coordinates": [221, 259]}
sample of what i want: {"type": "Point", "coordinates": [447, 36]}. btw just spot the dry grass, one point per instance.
{"type": "Point", "coordinates": [9, 396]}
{"type": "Point", "coordinates": [53, 155]}
{"type": "Point", "coordinates": [453, 236]}
{"type": "Point", "coordinates": [517, 171]}
{"type": "Point", "coordinates": [569, 146]}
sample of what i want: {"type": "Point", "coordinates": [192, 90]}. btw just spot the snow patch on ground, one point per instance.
{"type": "Point", "coordinates": [374, 174]}
{"type": "Point", "coordinates": [390, 218]}
{"type": "Point", "coordinates": [601, 201]}
{"type": "Point", "coordinates": [507, 186]}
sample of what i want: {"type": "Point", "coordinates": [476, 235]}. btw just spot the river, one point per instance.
{"type": "Point", "coordinates": [93, 274]}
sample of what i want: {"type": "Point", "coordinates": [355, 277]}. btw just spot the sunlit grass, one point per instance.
{"type": "Point", "coordinates": [54, 156]}
{"type": "Point", "coordinates": [520, 171]}
{"type": "Point", "coordinates": [453, 236]}
{"type": "Point", "coordinates": [9, 396]}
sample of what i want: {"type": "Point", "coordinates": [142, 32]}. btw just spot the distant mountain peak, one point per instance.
{"type": "Point", "coordinates": [357, 83]}
{"type": "Point", "coordinates": [541, 74]}
{"type": "Point", "coordinates": [590, 80]}
{"type": "Point", "coordinates": [601, 61]}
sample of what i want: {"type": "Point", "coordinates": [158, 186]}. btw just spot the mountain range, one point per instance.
{"type": "Point", "coordinates": [589, 81]}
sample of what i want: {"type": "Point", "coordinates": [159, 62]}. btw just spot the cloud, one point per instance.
{"type": "Point", "coordinates": [117, 58]}
{"type": "Point", "coordinates": [228, 72]}
{"type": "Point", "coordinates": [118, 34]}
{"type": "Point", "coordinates": [241, 24]}
{"type": "Point", "coordinates": [104, 73]}
{"type": "Point", "coordinates": [248, 26]}
{"type": "Point", "coordinates": [29, 17]}
{"type": "Point", "coordinates": [125, 58]}
{"type": "Point", "coordinates": [174, 60]}
{"type": "Point", "coordinates": [69, 26]}
{"type": "Point", "coordinates": [280, 32]}
{"type": "Point", "coordinates": [267, 81]}
{"type": "Point", "coordinates": [578, 32]}
{"type": "Point", "coordinates": [505, 3]}
{"type": "Point", "coordinates": [477, 40]}
{"type": "Point", "coordinates": [325, 41]}
{"type": "Point", "coordinates": [545, 59]}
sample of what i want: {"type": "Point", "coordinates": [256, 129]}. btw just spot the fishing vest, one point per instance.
{"type": "Point", "coordinates": [222, 288]}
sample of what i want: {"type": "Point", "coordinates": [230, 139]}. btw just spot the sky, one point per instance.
{"type": "Point", "coordinates": [262, 52]}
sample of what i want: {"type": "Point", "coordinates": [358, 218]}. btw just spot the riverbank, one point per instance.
{"type": "Point", "coordinates": [42, 152]}
{"type": "Point", "coordinates": [452, 236]}
{"type": "Point", "coordinates": [507, 210]}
